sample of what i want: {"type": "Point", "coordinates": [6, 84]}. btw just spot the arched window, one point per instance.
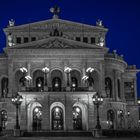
{"type": "Point", "coordinates": [75, 79]}
{"type": "Point", "coordinates": [77, 118]}
{"type": "Point", "coordinates": [110, 119]}
{"type": "Point", "coordinates": [56, 84]}
{"type": "Point", "coordinates": [4, 87]}
{"type": "Point", "coordinates": [57, 118]}
{"type": "Point", "coordinates": [74, 83]}
{"type": "Point", "coordinates": [37, 118]}
{"type": "Point", "coordinates": [57, 79]}
{"type": "Point", "coordinates": [3, 119]}
{"type": "Point", "coordinates": [108, 87]}
{"type": "Point", "coordinates": [119, 91]}
{"type": "Point", "coordinates": [38, 79]}
{"type": "Point", "coordinates": [40, 83]}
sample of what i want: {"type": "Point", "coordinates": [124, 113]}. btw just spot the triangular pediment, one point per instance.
{"type": "Point", "coordinates": [51, 24]}
{"type": "Point", "coordinates": [55, 43]}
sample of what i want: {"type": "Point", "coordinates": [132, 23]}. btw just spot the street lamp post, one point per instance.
{"type": "Point", "coordinates": [139, 113]}
{"type": "Point", "coordinates": [128, 119]}
{"type": "Point", "coordinates": [67, 70]}
{"type": "Point", "coordinates": [46, 71]}
{"type": "Point", "coordinates": [121, 118]}
{"type": "Point", "coordinates": [17, 100]}
{"type": "Point", "coordinates": [97, 100]}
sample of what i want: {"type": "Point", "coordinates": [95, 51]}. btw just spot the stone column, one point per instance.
{"type": "Point", "coordinates": [46, 114]}
{"type": "Point", "coordinates": [122, 89]}
{"type": "Point", "coordinates": [102, 80]}
{"type": "Point", "coordinates": [11, 78]}
{"type": "Point", "coordinates": [135, 89]}
{"type": "Point", "coordinates": [83, 74]}
{"type": "Point", "coordinates": [68, 112]}
{"type": "Point", "coordinates": [29, 73]}
{"type": "Point", "coordinates": [23, 115]}
{"type": "Point", "coordinates": [115, 84]}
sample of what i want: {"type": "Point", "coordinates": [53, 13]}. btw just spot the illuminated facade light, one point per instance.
{"type": "Point", "coordinates": [90, 69]}
{"type": "Point", "coordinates": [46, 69]}
{"type": "Point", "coordinates": [28, 77]}
{"type": "Point", "coordinates": [57, 109]}
{"type": "Point", "coordinates": [67, 69]}
{"type": "Point", "coordinates": [23, 69]}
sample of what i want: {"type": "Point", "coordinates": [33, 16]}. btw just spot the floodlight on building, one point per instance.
{"type": "Point", "coordinates": [85, 77]}
{"type": "Point", "coordinates": [90, 69]}
{"type": "Point", "coordinates": [67, 69]}
{"type": "Point", "coordinates": [23, 69]}
{"type": "Point", "coordinates": [28, 77]}
{"type": "Point", "coordinates": [45, 69]}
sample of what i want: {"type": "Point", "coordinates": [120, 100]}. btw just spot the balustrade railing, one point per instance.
{"type": "Point", "coordinates": [51, 89]}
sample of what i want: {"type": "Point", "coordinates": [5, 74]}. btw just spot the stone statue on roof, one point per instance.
{"type": "Point", "coordinates": [55, 10]}
{"type": "Point", "coordinates": [11, 23]}
{"type": "Point", "coordinates": [99, 23]}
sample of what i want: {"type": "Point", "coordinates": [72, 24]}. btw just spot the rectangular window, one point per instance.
{"type": "Point", "coordinates": [85, 39]}
{"type": "Point", "coordinates": [18, 40]}
{"type": "Point", "coordinates": [26, 39]}
{"type": "Point", "coordinates": [92, 40]}
{"type": "Point", "coordinates": [78, 39]}
{"type": "Point", "coordinates": [33, 39]}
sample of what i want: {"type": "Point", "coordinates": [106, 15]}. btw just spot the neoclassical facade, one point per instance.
{"type": "Point", "coordinates": [57, 66]}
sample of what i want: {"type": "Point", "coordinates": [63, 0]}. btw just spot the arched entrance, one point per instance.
{"type": "Point", "coordinates": [57, 118]}
{"type": "Point", "coordinates": [34, 115]}
{"type": "Point", "coordinates": [37, 118]}
{"type": "Point", "coordinates": [110, 119]}
{"type": "Point", "coordinates": [77, 118]}
{"type": "Point", "coordinates": [80, 118]}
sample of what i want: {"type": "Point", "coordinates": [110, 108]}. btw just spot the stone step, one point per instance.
{"type": "Point", "coordinates": [57, 134]}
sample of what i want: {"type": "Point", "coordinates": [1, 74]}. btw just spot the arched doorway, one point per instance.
{"type": "Point", "coordinates": [57, 118]}
{"type": "Point", "coordinates": [37, 118]}
{"type": "Point", "coordinates": [77, 118]}
{"type": "Point", "coordinates": [110, 119]}
{"type": "Point", "coordinates": [3, 119]}
{"type": "Point", "coordinates": [56, 84]}
{"type": "Point", "coordinates": [80, 118]}
{"type": "Point", "coordinates": [34, 115]}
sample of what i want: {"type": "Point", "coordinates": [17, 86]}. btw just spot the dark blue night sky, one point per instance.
{"type": "Point", "coordinates": [122, 17]}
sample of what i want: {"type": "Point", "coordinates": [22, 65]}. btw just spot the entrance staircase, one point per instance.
{"type": "Point", "coordinates": [57, 134]}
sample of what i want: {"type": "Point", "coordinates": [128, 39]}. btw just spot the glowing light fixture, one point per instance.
{"type": "Point", "coordinates": [90, 69]}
